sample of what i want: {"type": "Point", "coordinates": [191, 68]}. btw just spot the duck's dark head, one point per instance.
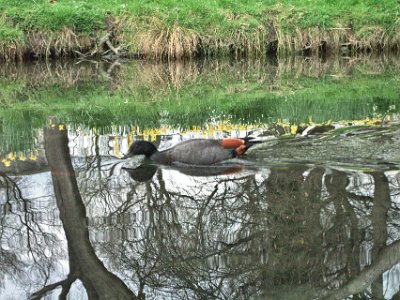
{"type": "Point", "coordinates": [141, 148]}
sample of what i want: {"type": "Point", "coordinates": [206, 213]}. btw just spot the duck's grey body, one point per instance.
{"type": "Point", "coordinates": [198, 152]}
{"type": "Point", "coordinates": [193, 152]}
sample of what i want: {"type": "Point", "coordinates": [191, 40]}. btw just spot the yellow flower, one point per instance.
{"type": "Point", "coordinates": [12, 156]}
{"type": "Point", "coordinates": [116, 145]}
{"type": "Point", "coordinates": [293, 129]}
{"type": "Point", "coordinates": [6, 162]}
{"type": "Point", "coordinates": [163, 130]}
{"type": "Point", "coordinates": [33, 156]}
{"type": "Point", "coordinates": [61, 127]}
{"type": "Point", "coordinates": [22, 157]}
{"type": "Point", "coordinates": [374, 121]}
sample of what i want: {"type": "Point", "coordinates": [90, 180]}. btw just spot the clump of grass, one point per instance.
{"type": "Point", "coordinates": [175, 43]}
{"type": "Point", "coordinates": [49, 30]}
{"type": "Point", "coordinates": [153, 38]}
{"type": "Point", "coordinates": [11, 41]}
{"type": "Point", "coordinates": [338, 39]}
{"type": "Point", "coordinates": [238, 35]}
{"type": "Point", "coordinates": [329, 27]}
{"type": "Point", "coordinates": [375, 37]}
{"type": "Point", "coordinates": [57, 43]}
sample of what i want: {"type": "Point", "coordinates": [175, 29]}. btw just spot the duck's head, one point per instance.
{"type": "Point", "coordinates": [141, 148]}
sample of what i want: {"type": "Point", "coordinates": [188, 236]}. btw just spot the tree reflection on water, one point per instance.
{"type": "Point", "coordinates": [278, 232]}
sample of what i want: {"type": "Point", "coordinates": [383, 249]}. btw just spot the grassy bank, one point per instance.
{"type": "Point", "coordinates": [180, 96]}
{"type": "Point", "coordinates": [183, 29]}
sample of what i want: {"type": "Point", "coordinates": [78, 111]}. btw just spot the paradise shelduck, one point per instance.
{"type": "Point", "coordinates": [193, 152]}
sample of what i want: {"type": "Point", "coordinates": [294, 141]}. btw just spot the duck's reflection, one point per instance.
{"type": "Point", "coordinates": [142, 173]}
{"type": "Point", "coordinates": [145, 172]}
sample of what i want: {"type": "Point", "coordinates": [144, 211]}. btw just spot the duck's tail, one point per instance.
{"type": "Point", "coordinates": [251, 141]}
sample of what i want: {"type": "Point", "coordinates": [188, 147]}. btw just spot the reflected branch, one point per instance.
{"type": "Point", "coordinates": [30, 229]}
{"type": "Point", "coordinates": [386, 259]}
{"type": "Point", "coordinates": [65, 284]}
{"type": "Point", "coordinates": [98, 281]}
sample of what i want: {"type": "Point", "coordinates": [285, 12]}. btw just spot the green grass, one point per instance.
{"type": "Point", "coordinates": [76, 15]}
{"type": "Point", "coordinates": [8, 32]}
{"type": "Point", "coordinates": [223, 26]}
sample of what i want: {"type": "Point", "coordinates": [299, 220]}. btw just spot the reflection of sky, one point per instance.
{"type": "Point", "coordinates": [46, 255]}
{"type": "Point", "coordinates": [391, 278]}
{"type": "Point", "coordinates": [391, 281]}
{"type": "Point", "coordinates": [38, 189]}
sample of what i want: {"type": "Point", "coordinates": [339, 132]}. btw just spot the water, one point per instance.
{"type": "Point", "coordinates": [312, 215]}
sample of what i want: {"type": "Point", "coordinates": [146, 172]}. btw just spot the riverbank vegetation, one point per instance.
{"type": "Point", "coordinates": [174, 30]}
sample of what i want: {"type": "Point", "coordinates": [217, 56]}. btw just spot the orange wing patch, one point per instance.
{"type": "Point", "coordinates": [232, 143]}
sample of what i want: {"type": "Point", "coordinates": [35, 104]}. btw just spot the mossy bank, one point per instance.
{"type": "Point", "coordinates": [173, 30]}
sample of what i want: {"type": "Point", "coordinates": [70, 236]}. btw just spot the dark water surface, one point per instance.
{"type": "Point", "coordinates": [312, 215]}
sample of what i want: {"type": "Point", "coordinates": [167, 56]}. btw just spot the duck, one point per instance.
{"type": "Point", "coordinates": [193, 152]}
